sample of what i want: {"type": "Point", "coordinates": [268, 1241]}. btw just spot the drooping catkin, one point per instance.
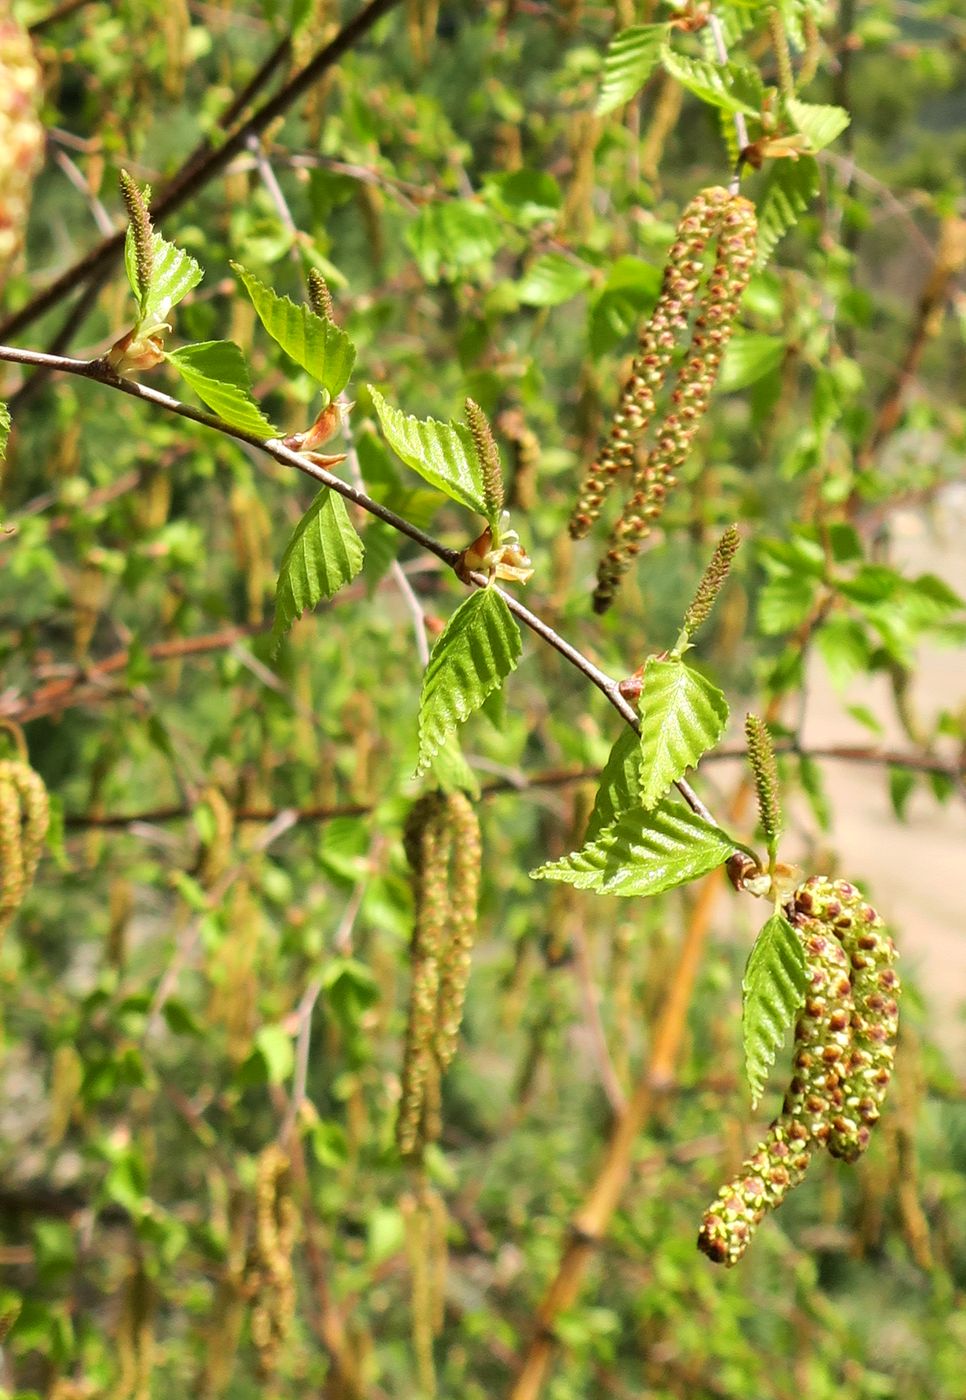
{"type": "Point", "coordinates": [682, 277]}
{"type": "Point", "coordinates": [216, 848]}
{"type": "Point", "coordinates": [760, 1185]}
{"type": "Point", "coordinates": [271, 1275]}
{"type": "Point", "coordinates": [732, 219]}
{"type": "Point", "coordinates": [24, 820]}
{"type": "Point", "coordinates": [464, 897]}
{"type": "Point", "coordinates": [21, 135]}
{"type": "Point", "coordinates": [867, 1065]}
{"type": "Point", "coordinates": [427, 840]}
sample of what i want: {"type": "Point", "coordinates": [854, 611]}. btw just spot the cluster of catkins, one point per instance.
{"type": "Point", "coordinates": [21, 134]}
{"type": "Point", "coordinates": [715, 218]}
{"type": "Point", "coordinates": [442, 842]}
{"type": "Point", "coordinates": [24, 819]}
{"type": "Point", "coordinates": [844, 1049]}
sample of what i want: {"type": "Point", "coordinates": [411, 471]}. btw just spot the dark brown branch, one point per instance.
{"type": "Point", "coordinates": [198, 171]}
{"type": "Point", "coordinates": [63, 11]}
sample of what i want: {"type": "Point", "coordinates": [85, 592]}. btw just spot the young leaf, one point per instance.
{"type": "Point", "coordinates": [173, 274]}
{"type": "Point", "coordinates": [216, 370]}
{"type": "Point", "coordinates": [442, 453]}
{"type": "Point", "coordinates": [551, 280]}
{"type": "Point", "coordinates": [477, 651]}
{"type": "Point", "coordinates": [324, 553]}
{"type": "Point", "coordinates": [790, 187]}
{"type": "Point", "coordinates": [620, 784]}
{"type": "Point", "coordinates": [730, 87]}
{"type": "Point", "coordinates": [322, 348]}
{"type": "Point", "coordinates": [631, 57]}
{"type": "Point", "coordinates": [682, 716]}
{"type": "Point", "coordinates": [772, 990]}
{"type": "Point", "coordinates": [822, 125]}
{"type": "Point", "coordinates": [643, 853]}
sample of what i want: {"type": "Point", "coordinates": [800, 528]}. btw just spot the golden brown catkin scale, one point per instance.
{"type": "Point", "coordinates": [465, 891]}
{"type": "Point", "coordinates": [866, 1069]}
{"type": "Point", "coordinates": [427, 840]}
{"type": "Point", "coordinates": [24, 820]}
{"type": "Point", "coordinates": [781, 1159]}
{"type": "Point", "coordinates": [682, 277]}
{"type": "Point", "coordinates": [737, 239]}
{"type": "Point", "coordinates": [21, 134]}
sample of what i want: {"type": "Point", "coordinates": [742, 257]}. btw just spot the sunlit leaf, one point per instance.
{"type": "Point", "coordinates": [322, 348]}
{"type": "Point", "coordinates": [731, 87]}
{"type": "Point", "coordinates": [218, 373]}
{"type": "Point", "coordinates": [477, 651]}
{"type": "Point", "coordinates": [630, 60]}
{"type": "Point", "coordinates": [682, 716]}
{"type": "Point", "coordinates": [324, 553]}
{"type": "Point", "coordinates": [620, 784]}
{"type": "Point", "coordinates": [822, 125]}
{"type": "Point", "coordinates": [173, 274]}
{"type": "Point", "coordinates": [643, 853]}
{"type": "Point", "coordinates": [772, 990]}
{"type": "Point", "coordinates": [442, 453]}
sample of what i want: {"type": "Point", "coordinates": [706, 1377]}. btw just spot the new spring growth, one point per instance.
{"type": "Point", "coordinates": [488, 455]}
{"type": "Point", "coordinates": [761, 756]}
{"type": "Point", "coordinates": [712, 582]}
{"type": "Point", "coordinates": [320, 298]}
{"type": "Point", "coordinates": [139, 218]}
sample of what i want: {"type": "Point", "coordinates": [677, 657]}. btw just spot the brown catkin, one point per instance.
{"type": "Point", "coordinates": [866, 1068]}
{"type": "Point", "coordinates": [813, 1097]}
{"type": "Point", "coordinates": [465, 891]}
{"type": "Point", "coordinates": [682, 278]}
{"type": "Point", "coordinates": [21, 135]}
{"type": "Point", "coordinates": [427, 840]}
{"type": "Point", "coordinates": [271, 1273]}
{"type": "Point", "coordinates": [733, 220]}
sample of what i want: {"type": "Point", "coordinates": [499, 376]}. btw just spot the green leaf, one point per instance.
{"type": "Point", "coordinates": [551, 280]}
{"type": "Point", "coordinates": [643, 853]}
{"type": "Point", "coordinates": [527, 196]}
{"type": "Point", "coordinates": [630, 60]}
{"type": "Point", "coordinates": [324, 553]}
{"type": "Point", "coordinates": [5, 425]}
{"type": "Point", "coordinates": [748, 358]}
{"type": "Point", "coordinates": [620, 784]}
{"type": "Point", "coordinates": [322, 348]}
{"type": "Point", "coordinates": [789, 189]}
{"type": "Point", "coordinates": [783, 603]}
{"type": "Point", "coordinates": [772, 990]}
{"type": "Point", "coordinates": [218, 373]}
{"type": "Point", "coordinates": [477, 651]}
{"type": "Point", "coordinates": [902, 783]}
{"type": "Point", "coordinates": [453, 236]}
{"type": "Point", "coordinates": [729, 87]}
{"type": "Point", "coordinates": [682, 716]}
{"type": "Point", "coordinates": [844, 647]}
{"type": "Point", "coordinates": [274, 1045]}
{"type": "Point", "coordinates": [173, 274]}
{"type": "Point", "coordinates": [822, 125]}
{"type": "Point", "coordinates": [442, 453]}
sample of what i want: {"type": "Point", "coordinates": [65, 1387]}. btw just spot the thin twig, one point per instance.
{"type": "Point", "coordinates": [741, 126]}
{"type": "Point", "coordinates": [196, 173]}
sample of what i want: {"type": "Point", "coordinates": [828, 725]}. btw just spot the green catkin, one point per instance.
{"type": "Point", "coordinates": [427, 840]}
{"type": "Point", "coordinates": [712, 581]}
{"type": "Point", "coordinates": [140, 220]}
{"type": "Point", "coordinates": [761, 757]}
{"type": "Point", "coordinates": [762, 1182]}
{"type": "Point", "coordinates": [736, 228]}
{"type": "Point", "coordinates": [320, 298]}
{"type": "Point", "coordinates": [682, 277]}
{"type": "Point", "coordinates": [488, 455]}
{"type": "Point", "coordinates": [866, 1068]}
{"type": "Point", "coordinates": [24, 821]}
{"type": "Point", "coordinates": [783, 60]}
{"type": "Point", "coordinates": [465, 890]}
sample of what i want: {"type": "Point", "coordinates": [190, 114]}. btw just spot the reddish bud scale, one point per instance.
{"type": "Point", "coordinates": [867, 1066]}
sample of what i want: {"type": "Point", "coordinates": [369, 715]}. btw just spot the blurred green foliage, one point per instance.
{"type": "Point", "coordinates": [484, 234]}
